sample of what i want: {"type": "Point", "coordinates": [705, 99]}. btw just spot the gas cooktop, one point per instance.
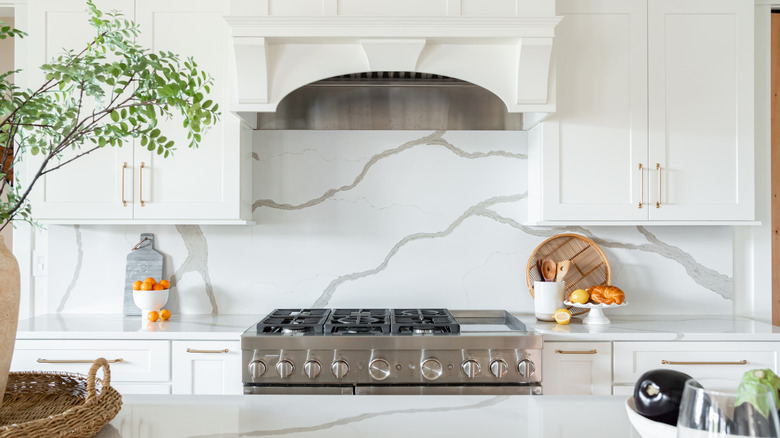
{"type": "Point", "coordinates": [353, 321]}
{"type": "Point", "coordinates": [390, 351]}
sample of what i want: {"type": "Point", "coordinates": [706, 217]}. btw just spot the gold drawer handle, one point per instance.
{"type": "Point", "coordinates": [124, 166]}
{"type": "Point", "coordinates": [671, 362]}
{"type": "Point", "coordinates": [39, 360]}
{"type": "Point", "coordinates": [594, 351]}
{"type": "Point", "coordinates": [658, 167]}
{"type": "Point", "coordinates": [192, 350]}
{"type": "Point", "coordinates": [641, 186]}
{"type": "Point", "coordinates": [141, 184]}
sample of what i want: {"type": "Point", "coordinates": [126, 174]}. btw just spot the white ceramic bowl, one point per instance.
{"type": "Point", "coordinates": [646, 427]}
{"type": "Point", "coordinates": [148, 300]}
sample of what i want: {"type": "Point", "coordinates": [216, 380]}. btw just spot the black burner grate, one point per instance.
{"type": "Point", "coordinates": [294, 321]}
{"type": "Point", "coordinates": [424, 322]}
{"type": "Point", "coordinates": [358, 322]}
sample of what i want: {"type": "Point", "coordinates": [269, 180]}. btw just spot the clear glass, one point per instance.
{"type": "Point", "coordinates": [725, 408]}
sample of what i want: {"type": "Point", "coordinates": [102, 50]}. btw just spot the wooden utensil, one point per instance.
{"type": "Point", "coordinates": [562, 269]}
{"type": "Point", "coordinates": [548, 270]}
{"type": "Point", "coordinates": [539, 268]}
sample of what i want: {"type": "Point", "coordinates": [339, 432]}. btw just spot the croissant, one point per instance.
{"type": "Point", "coordinates": [605, 294]}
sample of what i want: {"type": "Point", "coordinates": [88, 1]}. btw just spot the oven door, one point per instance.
{"type": "Point", "coordinates": [448, 390]}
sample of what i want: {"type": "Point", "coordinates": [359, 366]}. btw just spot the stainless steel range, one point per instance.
{"type": "Point", "coordinates": [390, 351]}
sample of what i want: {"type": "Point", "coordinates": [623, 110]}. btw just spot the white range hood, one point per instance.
{"type": "Point", "coordinates": [277, 54]}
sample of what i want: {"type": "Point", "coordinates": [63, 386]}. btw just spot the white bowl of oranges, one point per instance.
{"type": "Point", "coordinates": [150, 296]}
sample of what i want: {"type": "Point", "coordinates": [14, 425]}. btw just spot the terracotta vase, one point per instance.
{"type": "Point", "coordinates": [9, 310]}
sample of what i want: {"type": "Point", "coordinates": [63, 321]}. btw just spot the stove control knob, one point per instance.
{"type": "Point", "coordinates": [312, 368]}
{"type": "Point", "coordinates": [379, 369]}
{"type": "Point", "coordinates": [498, 368]}
{"type": "Point", "coordinates": [431, 369]}
{"type": "Point", "coordinates": [526, 368]}
{"type": "Point", "coordinates": [256, 369]}
{"type": "Point", "coordinates": [340, 368]}
{"type": "Point", "coordinates": [470, 368]}
{"type": "Point", "coordinates": [285, 368]}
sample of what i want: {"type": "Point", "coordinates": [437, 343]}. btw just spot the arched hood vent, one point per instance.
{"type": "Point", "coordinates": [391, 101]}
{"type": "Point", "coordinates": [507, 55]}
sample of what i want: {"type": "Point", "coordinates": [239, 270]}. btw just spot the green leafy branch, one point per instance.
{"type": "Point", "coordinates": [110, 91]}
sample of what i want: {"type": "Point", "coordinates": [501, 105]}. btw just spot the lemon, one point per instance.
{"type": "Point", "coordinates": [562, 316]}
{"type": "Point", "coordinates": [580, 296]}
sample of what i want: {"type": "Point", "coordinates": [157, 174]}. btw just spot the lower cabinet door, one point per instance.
{"type": "Point", "coordinates": [577, 368]}
{"type": "Point", "coordinates": [206, 367]}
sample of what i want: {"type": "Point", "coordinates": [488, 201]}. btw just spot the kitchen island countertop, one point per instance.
{"type": "Point", "coordinates": [172, 416]}
{"type": "Point", "coordinates": [204, 327]}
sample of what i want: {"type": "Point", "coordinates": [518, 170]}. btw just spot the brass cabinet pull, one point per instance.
{"type": "Point", "coordinates": [671, 362]}
{"type": "Point", "coordinates": [40, 360]}
{"type": "Point", "coordinates": [141, 184]}
{"type": "Point", "coordinates": [594, 351]}
{"type": "Point", "coordinates": [658, 168]}
{"type": "Point", "coordinates": [192, 350]}
{"type": "Point", "coordinates": [642, 186]}
{"type": "Point", "coordinates": [124, 166]}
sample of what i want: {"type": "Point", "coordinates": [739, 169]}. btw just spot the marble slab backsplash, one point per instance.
{"type": "Point", "coordinates": [383, 219]}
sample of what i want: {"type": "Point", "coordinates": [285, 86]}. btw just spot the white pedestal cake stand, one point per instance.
{"type": "Point", "coordinates": [596, 315]}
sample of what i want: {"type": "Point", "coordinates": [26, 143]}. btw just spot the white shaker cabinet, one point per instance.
{"type": "Point", "coordinates": [654, 114]}
{"type": "Point", "coordinates": [129, 184]}
{"type": "Point", "coordinates": [577, 368]}
{"type": "Point", "coordinates": [206, 367]}
{"type": "Point", "coordinates": [91, 186]}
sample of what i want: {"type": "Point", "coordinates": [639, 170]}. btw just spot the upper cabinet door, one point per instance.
{"type": "Point", "coordinates": [90, 186]}
{"type": "Point", "coordinates": [198, 183]}
{"type": "Point", "coordinates": [591, 149]}
{"type": "Point", "coordinates": [701, 109]}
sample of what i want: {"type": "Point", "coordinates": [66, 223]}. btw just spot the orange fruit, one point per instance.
{"type": "Point", "coordinates": [150, 280]}
{"type": "Point", "coordinates": [153, 316]}
{"type": "Point", "coordinates": [146, 286]}
{"type": "Point", "coordinates": [158, 286]}
{"type": "Point", "coordinates": [165, 284]}
{"type": "Point", "coordinates": [137, 285]}
{"type": "Point", "coordinates": [165, 314]}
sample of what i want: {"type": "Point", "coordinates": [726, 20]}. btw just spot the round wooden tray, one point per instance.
{"type": "Point", "coordinates": [589, 265]}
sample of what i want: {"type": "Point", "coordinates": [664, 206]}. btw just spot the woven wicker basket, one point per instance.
{"type": "Point", "coordinates": [38, 404]}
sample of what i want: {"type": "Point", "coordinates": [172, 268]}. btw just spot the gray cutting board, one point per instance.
{"type": "Point", "coordinates": [142, 263]}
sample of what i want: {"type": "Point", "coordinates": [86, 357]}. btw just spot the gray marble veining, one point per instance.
{"type": "Point", "coordinates": [76, 270]}
{"type": "Point", "coordinates": [434, 139]}
{"type": "Point", "coordinates": [356, 419]}
{"type": "Point", "coordinates": [197, 261]}
{"type": "Point", "coordinates": [709, 278]}
{"type": "Point", "coordinates": [474, 210]}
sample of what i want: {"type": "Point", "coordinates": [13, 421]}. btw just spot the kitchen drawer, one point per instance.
{"type": "Point", "coordinates": [142, 361]}
{"type": "Point", "coordinates": [698, 359]}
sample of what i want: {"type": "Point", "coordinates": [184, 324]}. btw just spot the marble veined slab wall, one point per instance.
{"type": "Point", "coordinates": [384, 219]}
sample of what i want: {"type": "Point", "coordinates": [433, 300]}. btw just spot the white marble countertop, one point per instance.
{"type": "Point", "coordinates": [97, 326]}
{"type": "Point", "coordinates": [172, 416]}
{"type": "Point", "coordinates": [657, 328]}
{"type": "Point", "coordinates": [206, 327]}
